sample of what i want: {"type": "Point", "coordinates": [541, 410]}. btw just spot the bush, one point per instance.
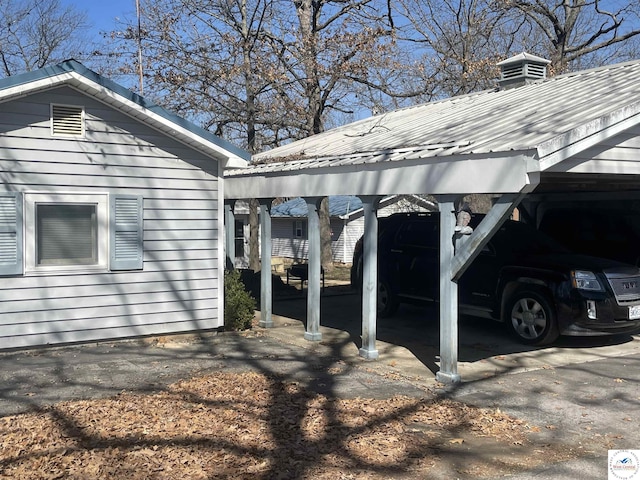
{"type": "Point", "coordinates": [239, 305]}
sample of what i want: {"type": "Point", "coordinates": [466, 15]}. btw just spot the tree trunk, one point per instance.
{"type": "Point", "coordinates": [254, 249]}
{"type": "Point", "coordinates": [326, 256]}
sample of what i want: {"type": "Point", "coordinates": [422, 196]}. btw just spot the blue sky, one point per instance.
{"type": "Point", "coordinates": [102, 14]}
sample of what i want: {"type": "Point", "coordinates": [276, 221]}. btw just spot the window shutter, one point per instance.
{"type": "Point", "coordinates": [11, 234]}
{"type": "Point", "coordinates": [125, 227]}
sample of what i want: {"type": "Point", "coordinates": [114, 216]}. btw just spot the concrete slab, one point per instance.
{"type": "Point", "coordinates": [408, 342]}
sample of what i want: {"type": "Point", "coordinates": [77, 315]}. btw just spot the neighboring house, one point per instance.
{"type": "Point", "coordinates": [289, 224]}
{"type": "Point", "coordinates": [241, 233]}
{"type": "Point", "coordinates": [111, 218]}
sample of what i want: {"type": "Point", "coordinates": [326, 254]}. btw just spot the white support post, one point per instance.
{"type": "Point", "coordinates": [369, 278]}
{"type": "Point", "coordinates": [229, 230]}
{"type": "Point", "coordinates": [448, 372]}
{"type": "Point", "coordinates": [314, 266]}
{"type": "Point", "coordinates": [266, 297]}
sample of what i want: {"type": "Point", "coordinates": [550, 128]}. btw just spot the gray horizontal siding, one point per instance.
{"type": "Point", "coordinates": [342, 244]}
{"type": "Point", "coordinates": [155, 323]}
{"type": "Point", "coordinates": [177, 290]}
{"type": "Point", "coordinates": [282, 242]}
{"type": "Point", "coordinates": [92, 291]}
{"type": "Point", "coordinates": [349, 235]}
{"type": "Point", "coordinates": [620, 153]}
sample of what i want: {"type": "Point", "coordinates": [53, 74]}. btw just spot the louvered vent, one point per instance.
{"type": "Point", "coordinates": [67, 120]}
{"type": "Point", "coordinates": [521, 70]}
{"type": "Point", "coordinates": [512, 72]}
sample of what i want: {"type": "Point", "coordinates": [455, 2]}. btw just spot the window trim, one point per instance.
{"type": "Point", "coordinates": [32, 199]}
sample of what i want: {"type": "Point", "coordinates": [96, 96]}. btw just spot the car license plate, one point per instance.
{"type": "Point", "coordinates": [634, 312]}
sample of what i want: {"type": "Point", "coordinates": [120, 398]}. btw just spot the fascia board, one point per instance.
{"type": "Point", "coordinates": [499, 172]}
{"type": "Point", "coordinates": [25, 89]}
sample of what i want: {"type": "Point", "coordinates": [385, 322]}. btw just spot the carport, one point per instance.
{"type": "Point", "coordinates": [530, 138]}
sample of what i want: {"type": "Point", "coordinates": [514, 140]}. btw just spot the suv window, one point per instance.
{"type": "Point", "coordinates": [602, 233]}
{"type": "Point", "coordinates": [418, 234]}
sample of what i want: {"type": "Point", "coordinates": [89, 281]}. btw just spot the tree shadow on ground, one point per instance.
{"type": "Point", "coordinates": [416, 328]}
{"type": "Point", "coordinates": [319, 416]}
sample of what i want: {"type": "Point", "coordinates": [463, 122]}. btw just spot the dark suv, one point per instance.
{"type": "Point", "coordinates": [522, 277]}
{"type": "Point", "coordinates": [603, 232]}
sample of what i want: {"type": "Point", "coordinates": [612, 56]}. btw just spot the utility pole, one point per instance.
{"type": "Point", "coordinates": [139, 40]}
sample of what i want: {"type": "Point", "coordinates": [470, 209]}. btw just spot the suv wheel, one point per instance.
{"type": "Point", "coordinates": [387, 301]}
{"type": "Point", "coordinates": [531, 318]}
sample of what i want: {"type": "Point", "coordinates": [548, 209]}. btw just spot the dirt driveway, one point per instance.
{"type": "Point", "coordinates": [268, 404]}
{"type": "Point", "coordinates": [582, 391]}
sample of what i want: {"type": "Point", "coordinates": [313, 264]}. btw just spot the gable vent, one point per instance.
{"type": "Point", "coordinates": [521, 70]}
{"type": "Point", "coordinates": [67, 120]}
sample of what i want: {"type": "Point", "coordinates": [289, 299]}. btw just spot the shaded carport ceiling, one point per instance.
{"type": "Point", "coordinates": [574, 131]}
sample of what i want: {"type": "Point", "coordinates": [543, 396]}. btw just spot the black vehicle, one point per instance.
{"type": "Point", "coordinates": [602, 232]}
{"type": "Point", "coordinates": [522, 277]}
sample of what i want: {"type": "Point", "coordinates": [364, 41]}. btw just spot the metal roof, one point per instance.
{"type": "Point", "coordinates": [540, 119]}
{"type": "Point", "coordinates": [79, 77]}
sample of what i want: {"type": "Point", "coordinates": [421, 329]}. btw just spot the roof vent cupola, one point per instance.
{"type": "Point", "coordinates": [522, 69]}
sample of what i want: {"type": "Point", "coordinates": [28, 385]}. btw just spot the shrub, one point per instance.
{"type": "Point", "coordinates": [239, 305]}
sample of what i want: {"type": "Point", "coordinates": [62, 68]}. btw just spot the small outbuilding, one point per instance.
{"type": "Point", "coordinates": [111, 217]}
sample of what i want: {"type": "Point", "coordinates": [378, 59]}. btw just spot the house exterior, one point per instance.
{"type": "Point", "coordinates": [111, 218]}
{"type": "Point", "coordinates": [289, 224]}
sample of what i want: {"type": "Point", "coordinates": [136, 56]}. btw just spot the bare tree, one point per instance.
{"type": "Point", "coordinates": [579, 33]}
{"type": "Point", "coordinates": [324, 48]}
{"type": "Point", "coordinates": [333, 44]}
{"type": "Point", "coordinates": [458, 42]}
{"type": "Point", "coordinates": [203, 60]}
{"type": "Point", "coordinates": [34, 33]}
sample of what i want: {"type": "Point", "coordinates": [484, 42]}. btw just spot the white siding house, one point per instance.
{"type": "Point", "coordinates": [110, 213]}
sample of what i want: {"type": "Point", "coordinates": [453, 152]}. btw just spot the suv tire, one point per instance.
{"type": "Point", "coordinates": [531, 318]}
{"type": "Point", "coordinates": [386, 299]}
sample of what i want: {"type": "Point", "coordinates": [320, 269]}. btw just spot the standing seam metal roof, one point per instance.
{"type": "Point", "coordinates": [491, 121]}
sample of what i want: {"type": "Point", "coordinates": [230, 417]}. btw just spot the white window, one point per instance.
{"type": "Point", "coordinates": [66, 232]}
{"type": "Point", "coordinates": [299, 229]}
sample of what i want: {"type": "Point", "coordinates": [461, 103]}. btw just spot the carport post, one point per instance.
{"type": "Point", "coordinates": [312, 331]}
{"type": "Point", "coordinates": [448, 372]}
{"type": "Point", "coordinates": [230, 225]}
{"type": "Point", "coordinates": [369, 277]}
{"type": "Point", "coordinates": [266, 319]}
